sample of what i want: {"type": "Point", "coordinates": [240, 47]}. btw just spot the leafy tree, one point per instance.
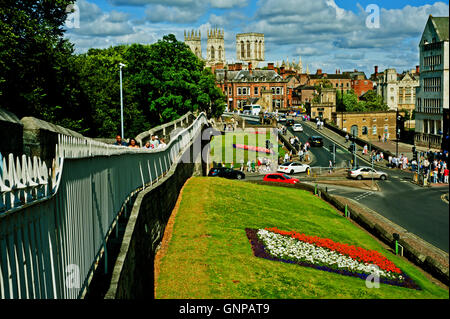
{"type": "Point", "coordinates": [161, 82]}
{"type": "Point", "coordinates": [36, 74]}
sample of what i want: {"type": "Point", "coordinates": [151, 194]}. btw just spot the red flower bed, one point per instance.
{"type": "Point", "coordinates": [357, 253]}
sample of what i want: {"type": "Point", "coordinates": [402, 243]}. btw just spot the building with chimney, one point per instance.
{"type": "Point", "coordinates": [398, 90]}
{"type": "Point", "coordinates": [432, 96]}
{"type": "Point", "coordinates": [252, 86]}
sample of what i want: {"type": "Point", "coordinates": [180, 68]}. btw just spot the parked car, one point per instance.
{"type": "Point", "coordinates": [280, 178]}
{"type": "Point", "coordinates": [290, 122]}
{"type": "Point", "coordinates": [297, 127]}
{"type": "Point", "coordinates": [226, 173]}
{"type": "Point", "coordinates": [366, 172]}
{"type": "Point", "coordinates": [293, 168]}
{"type": "Point", "coordinates": [315, 141]}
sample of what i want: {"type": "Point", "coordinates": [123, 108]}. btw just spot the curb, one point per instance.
{"type": "Point", "coordinates": [443, 198]}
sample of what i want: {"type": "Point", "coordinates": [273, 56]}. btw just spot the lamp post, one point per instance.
{"type": "Point", "coordinates": [121, 65]}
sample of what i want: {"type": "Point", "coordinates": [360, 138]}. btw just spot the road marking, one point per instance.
{"type": "Point", "coordinates": [364, 195]}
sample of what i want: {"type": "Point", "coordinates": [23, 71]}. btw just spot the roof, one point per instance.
{"type": "Point", "coordinates": [245, 76]}
{"type": "Point", "coordinates": [330, 76]}
{"type": "Point", "coordinates": [441, 26]}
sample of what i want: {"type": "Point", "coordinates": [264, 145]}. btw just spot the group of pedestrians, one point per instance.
{"type": "Point", "coordinates": [400, 162]}
{"type": "Point", "coordinates": [434, 166]}
{"type": "Point", "coordinates": [153, 143]}
{"type": "Point", "coordinates": [260, 165]}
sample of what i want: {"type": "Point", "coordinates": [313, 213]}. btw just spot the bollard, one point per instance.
{"type": "Point", "coordinates": [315, 189]}
{"type": "Point", "coordinates": [346, 213]}
{"type": "Point", "coordinates": [396, 238]}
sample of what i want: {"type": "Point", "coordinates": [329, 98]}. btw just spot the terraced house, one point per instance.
{"type": "Point", "coordinates": [432, 100]}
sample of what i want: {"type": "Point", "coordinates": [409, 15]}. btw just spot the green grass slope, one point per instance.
{"type": "Point", "coordinates": [209, 255]}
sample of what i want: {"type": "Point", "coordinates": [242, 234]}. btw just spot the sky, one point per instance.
{"type": "Point", "coordinates": [326, 34]}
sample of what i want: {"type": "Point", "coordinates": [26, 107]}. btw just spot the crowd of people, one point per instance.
{"type": "Point", "coordinates": [434, 166]}
{"type": "Point", "coordinates": [153, 143]}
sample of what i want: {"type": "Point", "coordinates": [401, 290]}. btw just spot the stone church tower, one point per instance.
{"type": "Point", "coordinates": [193, 40]}
{"type": "Point", "coordinates": [215, 47]}
{"type": "Point", "coordinates": [250, 47]}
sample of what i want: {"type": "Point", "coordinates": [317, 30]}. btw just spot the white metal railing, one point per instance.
{"type": "Point", "coordinates": [54, 223]}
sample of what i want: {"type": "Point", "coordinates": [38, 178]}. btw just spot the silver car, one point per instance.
{"type": "Point", "coordinates": [366, 172]}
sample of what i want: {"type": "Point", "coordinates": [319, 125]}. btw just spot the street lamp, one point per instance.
{"type": "Point", "coordinates": [121, 65]}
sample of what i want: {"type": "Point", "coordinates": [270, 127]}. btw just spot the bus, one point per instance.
{"type": "Point", "coordinates": [253, 109]}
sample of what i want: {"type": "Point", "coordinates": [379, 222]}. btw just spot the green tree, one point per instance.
{"type": "Point", "coordinates": [373, 101]}
{"type": "Point", "coordinates": [36, 74]}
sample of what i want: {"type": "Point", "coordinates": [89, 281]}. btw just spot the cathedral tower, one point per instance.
{"type": "Point", "coordinates": [215, 47]}
{"type": "Point", "coordinates": [193, 40]}
{"type": "Point", "coordinates": [250, 47]}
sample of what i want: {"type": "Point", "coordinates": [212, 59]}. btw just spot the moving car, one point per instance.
{"type": "Point", "coordinates": [280, 178]}
{"type": "Point", "coordinates": [366, 172]}
{"type": "Point", "coordinates": [290, 122]}
{"type": "Point", "coordinates": [297, 127]}
{"type": "Point", "coordinates": [226, 173]}
{"type": "Point", "coordinates": [293, 168]}
{"type": "Point", "coordinates": [315, 141]}
{"type": "Point", "coordinates": [281, 118]}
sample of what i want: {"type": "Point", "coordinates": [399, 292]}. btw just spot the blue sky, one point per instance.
{"type": "Point", "coordinates": [326, 34]}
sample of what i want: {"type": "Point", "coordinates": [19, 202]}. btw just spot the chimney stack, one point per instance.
{"type": "Point", "coordinates": [238, 66]}
{"type": "Point", "coordinates": [417, 69]}
{"type": "Point", "coordinates": [270, 66]}
{"type": "Point", "coordinates": [250, 68]}
{"type": "Point", "coordinates": [319, 71]}
{"type": "Point", "coordinates": [376, 70]}
{"type": "Point", "coordinates": [282, 70]}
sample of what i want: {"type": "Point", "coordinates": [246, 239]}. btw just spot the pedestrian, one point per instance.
{"type": "Point", "coordinates": [120, 142]}
{"type": "Point", "coordinates": [253, 166]}
{"type": "Point", "coordinates": [133, 143]}
{"type": "Point", "coordinates": [379, 138]}
{"type": "Point", "coordinates": [162, 143]}
{"type": "Point", "coordinates": [242, 165]}
{"type": "Point", "coordinates": [300, 155]}
{"type": "Point", "coordinates": [286, 157]}
{"type": "Point", "coordinates": [330, 167]}
{"type": "Point", "coordinates": [435, 175]}
{"type": "Point", "coordinates": [446, 171]}
{"type": "Point", "coordinates": [346, 138]}
{"type": "Point", "coordinates": [365, 149]}
{"type": "Point", "coordinates": [147, 145]}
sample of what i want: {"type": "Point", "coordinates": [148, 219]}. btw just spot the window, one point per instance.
{"type": "Point", "coordinates": [212, 53]}
{"type": "Point", "coordinates": [248, 49]}
{"type": "Point", "coordinates": [239, 91]}
{"type": "Point", "coordinates": [374, 130]}
{"type": "Point", "coordinates": [365, 130]}
{"type": "Point", "coordinates": [242, 49]}
{"type": "Point", "coordinates": [256, 90]}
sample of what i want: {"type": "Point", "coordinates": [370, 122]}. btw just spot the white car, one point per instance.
{"type": "Point", "coordinates": [297, 127]}
{"type": "Point", "coordinates": [293, 168]}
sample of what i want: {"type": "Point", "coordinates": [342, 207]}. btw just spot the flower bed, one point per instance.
{"type": "Point", "coordinates": [253, 148]}
{"type": "Point", "coordinates": [325, 254]}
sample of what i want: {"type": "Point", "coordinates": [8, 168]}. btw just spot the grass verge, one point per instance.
{"type": "Point", "coordinates": [209, 255]}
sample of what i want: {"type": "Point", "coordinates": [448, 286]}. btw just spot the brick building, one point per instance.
{"type": "Point", "coordinates": [367, 125]}
{"type": "Point", "coordinates": [338, 81]}
{"type": "Point", "coordinates": [240, 86]}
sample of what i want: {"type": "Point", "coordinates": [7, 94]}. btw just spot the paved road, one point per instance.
{"type": "Point", "coordinates": [419, 210]}
{"type": "Point", "coordinates": [323, 154]}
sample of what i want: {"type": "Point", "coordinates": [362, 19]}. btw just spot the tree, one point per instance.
{"type": "Point", "coordinates": [36, 70]}
{"type": "Point", "coordinates": [161, 82]}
